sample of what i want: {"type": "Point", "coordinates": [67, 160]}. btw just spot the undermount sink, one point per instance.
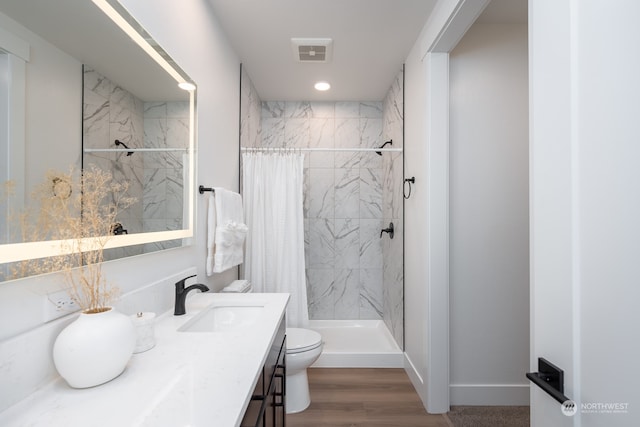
{"type": "Point", "coordinates": [220, 318]}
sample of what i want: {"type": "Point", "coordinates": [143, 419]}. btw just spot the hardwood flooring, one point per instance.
{"type": "Point", "coordinates": [345, 397]}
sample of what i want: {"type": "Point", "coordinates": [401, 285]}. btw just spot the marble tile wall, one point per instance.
{"type": "Point", "coordinates": [343, 205]}
{"type": "Point", "coordinates": [166, 125]}
{"type": "Point", "coordinates": [109, 113]}
{"type": "Point", "coordinates": [392, 211]}
{"type": "Point", "coordinates": [250, 112]}
{"type": "Point", "coordinates": [349, 198]}
{"type": "Point", "coordinates": [156, 179]}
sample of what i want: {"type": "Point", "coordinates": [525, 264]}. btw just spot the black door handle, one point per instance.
{"type": "Point", "coordinates": [549, 378]}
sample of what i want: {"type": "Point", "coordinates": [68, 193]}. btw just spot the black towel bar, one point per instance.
{"type": "Point", "coordinates": [202, 189]}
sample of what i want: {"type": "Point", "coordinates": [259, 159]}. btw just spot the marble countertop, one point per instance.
{"type": "Point", "coordinates": [187, 379]}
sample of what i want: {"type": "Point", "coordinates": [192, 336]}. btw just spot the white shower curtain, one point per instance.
{"type": "Point", "coordinates": [272, 186]}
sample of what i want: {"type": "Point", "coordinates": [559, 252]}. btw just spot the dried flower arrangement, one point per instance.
{"type": "Point", "coordinates": [79, 210]}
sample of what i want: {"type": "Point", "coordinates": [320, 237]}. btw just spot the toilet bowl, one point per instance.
{"type": "Point", "coordinates": [303, 348]}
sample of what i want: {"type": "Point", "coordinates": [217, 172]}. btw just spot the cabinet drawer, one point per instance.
{"type": "Point", "coordinates": [266, 407]}
{"type": "Point", "coordinates": [277, 348]}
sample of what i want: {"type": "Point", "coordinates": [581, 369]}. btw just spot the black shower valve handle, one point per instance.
{"type": "Point", "coordinates": [388, 230]}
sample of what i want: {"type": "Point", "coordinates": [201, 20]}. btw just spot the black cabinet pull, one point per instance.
{"type": "Point", "coordinates": [279, 377]}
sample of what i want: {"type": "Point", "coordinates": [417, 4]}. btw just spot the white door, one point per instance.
{"type": "Point", "coordinates": [585, 207]}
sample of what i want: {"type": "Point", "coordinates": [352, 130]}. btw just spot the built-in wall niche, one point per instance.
{"type": "Point", "coordinates": [83, 90]}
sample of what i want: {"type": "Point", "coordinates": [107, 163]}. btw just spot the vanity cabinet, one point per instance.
{"type": "Point", "coordinates": [267, 405]}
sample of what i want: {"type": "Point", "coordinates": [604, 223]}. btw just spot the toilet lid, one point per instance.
{"type": "Point", "coordinates": [299, 340]}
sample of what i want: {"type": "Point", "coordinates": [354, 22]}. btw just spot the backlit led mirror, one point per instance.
{"type": "Point", "coordinates": [84, 84]}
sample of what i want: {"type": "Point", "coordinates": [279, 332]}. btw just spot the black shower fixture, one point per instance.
{"type": "Point", "coordinates": [389, 230]}
{"type": "Point", "coordinates": [118, 142]}
{"type": "Point", "coordinates": [117, 229]}
{"type": "Point", "coordinates": [411, 180]}
{"type": "Point", "coordinates": [390, 142]}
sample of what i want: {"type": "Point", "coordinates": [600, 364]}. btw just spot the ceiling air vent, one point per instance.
{"type": "Point", "coordinates": [312, 50]}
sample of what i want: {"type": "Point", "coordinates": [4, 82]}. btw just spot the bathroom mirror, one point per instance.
{"type": "Point", "coordinates": [77, 89]}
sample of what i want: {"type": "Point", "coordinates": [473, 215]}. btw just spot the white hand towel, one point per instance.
{"type": "Point", "coordinates": [238, 286]}
{"type": "Point", "coordinates": [230, 230]}
{"type": "Point", "coordinates": [211, 233]}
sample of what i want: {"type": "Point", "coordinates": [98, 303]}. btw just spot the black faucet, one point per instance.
{"type": "Point", "coordinates": [181, 294]}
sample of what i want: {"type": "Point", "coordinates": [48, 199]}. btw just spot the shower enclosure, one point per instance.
{"type": "Point", "coordinates": [352, 192]}
{"type": "Point", "coordinates": [115, 122]}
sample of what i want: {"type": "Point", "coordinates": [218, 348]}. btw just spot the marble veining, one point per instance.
{"type": "Point", "coordinates": [273, 132]}
{"type": "Point", "coordinates": [346, 243]}
{"type": "Point", "coordinates": [296, 133]}
{"type": "Point", "coordinates": [392, 209]}
{"type": "Point", "coordinates": [272, 109]}
{"type": "Point", "coordinates": [343, 201]}
{"type": "Point", "coordinates": [321, 243]}
{"type": "Point", "coordinates": [250, 113]}
{"type": "Point", "coordinates": [370, 293]}
{"type": "Point", "coordinates": [370, 243]}
{"type": "Point", "coordinates": [347, 193]}
{"type": "Point", "coordinates": [320, 109]}
{"type": "Point", "coordinates": [320, 292]}
{"type": "Point", "coordinates": [370, 132]}
{"type": "Point", "coordinates": [370, 193]}
{"type": "Point", "coordinates": [347, 295]}
{"type": "Point", "coordinates": [348, 198]}
{"type": "Point", "coordinates": [321, 193]}
{"type": "Point", "coordinates": [297, 110]}
{"type": "Point", "coordinates": [321, 132]}
{"type": "Point", "coordinates": [110, 112]}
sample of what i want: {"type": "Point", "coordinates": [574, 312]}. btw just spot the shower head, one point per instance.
{"type": "Point", "coordinates": [379, 153]}
{"type": "Point", "coordinates": [124, 145]}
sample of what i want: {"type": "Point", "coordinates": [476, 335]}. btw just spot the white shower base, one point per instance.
{"type": "Point", "coordinates": [356, 344]}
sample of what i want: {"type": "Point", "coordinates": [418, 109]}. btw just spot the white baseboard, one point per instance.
{"type": "Point", "coordinates": [416, 379]}
{"type": "Point", "coordinates": [489, 394]}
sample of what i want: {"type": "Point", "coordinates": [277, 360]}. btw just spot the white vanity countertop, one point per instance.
{"type": "Point", "coordinates": [188, 379]}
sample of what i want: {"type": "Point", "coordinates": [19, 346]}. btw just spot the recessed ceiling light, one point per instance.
{"type": "Point", "coordinates": [186, 86]}
{"type": "Point", "coordinates": [322, 86]}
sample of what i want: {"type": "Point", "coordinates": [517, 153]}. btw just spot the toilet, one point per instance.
{"type": "Point", "coordinates": [304, 346]}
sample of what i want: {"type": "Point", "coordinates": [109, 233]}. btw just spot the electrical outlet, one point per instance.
{"type": "Point", "coordinates": [58, 304]}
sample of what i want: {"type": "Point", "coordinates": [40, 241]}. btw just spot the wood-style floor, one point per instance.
{"type": "Point", "coordinates": [346, 397]}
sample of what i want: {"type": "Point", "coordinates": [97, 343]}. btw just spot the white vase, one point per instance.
{"type": "Point", "coordinates": [95, 348]}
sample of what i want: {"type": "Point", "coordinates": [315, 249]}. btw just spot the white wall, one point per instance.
{"type": "Point", "coordinates": [416, 249]}
{"type": "Point", "coordinates": [608, 87]}
{"type": "Point", "coordinates": [55, 143]}
{"type": "Point", "coordinates": [205, 55]}
{"type": "Point", "coordinates": [489, 218]}
{"type": "Point", "coordinates": [192, 35]}
{"type": "Point", "coordinates": [584, 67]}
{"type": "Point", "coordinates": [427, 211]}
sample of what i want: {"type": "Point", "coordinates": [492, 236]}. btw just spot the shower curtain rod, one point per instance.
{"type": "Point", "coordinates": [126, 150]}
{"type": "Point", "coordinates": [372, 149]}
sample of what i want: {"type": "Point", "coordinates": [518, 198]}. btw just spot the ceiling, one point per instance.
{"type": "Point", "coordinates": [84, 32]}
{"type": "Point", "coordinates": [505, 12]}
{"type": "Point", "coordinates": [371, 40]}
